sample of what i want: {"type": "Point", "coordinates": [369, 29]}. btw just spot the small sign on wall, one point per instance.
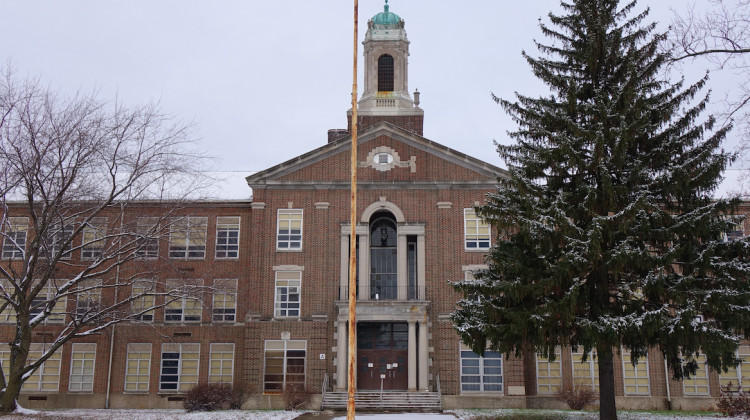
{"type": "Point", "coordinates": [322, 356]}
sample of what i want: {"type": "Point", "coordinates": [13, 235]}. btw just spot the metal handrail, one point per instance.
{"type": "Point", "coordinates": [440, 394]}
{"type": "Point", "coordinates": [325, 384]}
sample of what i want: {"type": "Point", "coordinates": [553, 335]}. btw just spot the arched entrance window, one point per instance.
{"type": "Point", "coordinates": [385, 73]}
{"type": "Point", "coordinates": [383, 257]}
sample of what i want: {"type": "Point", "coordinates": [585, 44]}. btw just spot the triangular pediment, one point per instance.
{"type": "Point", "coordinates": [386, 154]}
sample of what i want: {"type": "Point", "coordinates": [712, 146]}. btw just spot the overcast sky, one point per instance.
{"type": "Point", "coordinates": [265, 80]}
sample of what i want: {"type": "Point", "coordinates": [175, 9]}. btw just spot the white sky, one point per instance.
{"type": "Point", "coordinates": [265, 80]}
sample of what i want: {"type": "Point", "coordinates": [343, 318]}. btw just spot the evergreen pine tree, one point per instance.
{"type": "Point", "coordinates": [608, 233]}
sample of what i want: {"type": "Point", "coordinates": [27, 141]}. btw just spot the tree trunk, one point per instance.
{"type": "Point", "coordinates": [9, 397]}
{"type": "Point", "coordinates": [607, 408]}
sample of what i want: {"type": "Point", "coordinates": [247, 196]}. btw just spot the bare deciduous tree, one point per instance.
{"type": "Point", "coordinates": [721, 37]}
{"type": "Point", "coordinates": [70, 168]}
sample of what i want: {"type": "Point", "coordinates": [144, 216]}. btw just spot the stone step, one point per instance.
{"type": "Point", "coordinates": [374, 400]}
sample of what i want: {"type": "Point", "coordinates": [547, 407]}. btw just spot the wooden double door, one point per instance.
{"type": "Point", "coordinates": [382, 353]}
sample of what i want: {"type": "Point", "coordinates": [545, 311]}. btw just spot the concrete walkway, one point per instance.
{"type": "Point", "coordinates": [330, 415]}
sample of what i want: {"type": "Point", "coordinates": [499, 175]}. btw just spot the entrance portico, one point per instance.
{"type": "Point", "coordinates": [388, 316]}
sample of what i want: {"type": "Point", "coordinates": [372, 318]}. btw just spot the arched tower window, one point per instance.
{"type": "Point", "coordinates": [385, 73]}
{"type": "Point", "coordinates": [383, 257]}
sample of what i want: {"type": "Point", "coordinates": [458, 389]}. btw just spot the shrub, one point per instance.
{"type": "Point", "coordinates": [296, 396]}
{"type": "Point", "coordinates": [576, 398]}
{"type": "Point", "coordinates": [734, 403]}
{"type": "Point", "coordinates": [210, 397]}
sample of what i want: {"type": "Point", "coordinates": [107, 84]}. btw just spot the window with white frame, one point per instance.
{"type": "Point", "coordinates": [88, 297]}
{"type": "Point", "coordinates": [94, 232]}
{"type": "Point", "coordinates": [8, 314]}
{"type": "Point", "coordinates": [57, 237]}
{"type": "Point", "coordinates": [179, 366]}
{"type": "Point", "coordinates": [635, 377]}
{"type": "Point", "coordinates": [221, 363]}
{"type": "Point", "coordinates": [481, 373]}
{"type": "Point", "coordinates": [46, 296]}
{"type": "Point", "coordinates": [284, 364]}
{"type": "Point", "coordinates": [147, 241]}
{"type": "Point", "coordinates": [183, 303]}
{"type": "Point", "coordinates": [585, 372]}
{"type": "Point", "coordinates": [14, 237]}
{"type": "Point", "coordinates": [224, 305]}
{"type": "Point", "coordinates": [476, 231]}
{"type": "Point", "coordinates": [698, 383]}
{"type": "Point", "coordinates": [82, 360]}
{"type": "Point", "coordinates": [548, 374]}
{"type": "Point", "coordinates": [287, 301]}
{"type": "Point", "coordinates": [289, 229]}
{"type": "Point", "coordinates": [47, 377]}
{"type": "Point", "coordinates": [227, 237]}
{"type": "Point", "coordinates": [738, 377]}
{"type": "Point", "coordinates": [187, 238]}
{"type": "Point", "coordinates": [142, 292]}
{"type": "Point", "coordinates": [736, 228]}
{"type": "Point", "coordinates": [138, 367]}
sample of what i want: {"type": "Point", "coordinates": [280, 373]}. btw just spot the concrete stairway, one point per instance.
{"type": "Point", "coordinates": [388, 400]}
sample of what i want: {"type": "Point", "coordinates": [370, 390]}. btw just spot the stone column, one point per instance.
{"type": "Point", "coordinates": [412, 360]}
{"type": "Point", "coordinates": [403, 279]}
{"type": "Point", "coordinates": [341, 357]}
{"type": "Point", "coordinates": [344, 282]}
{"type": "Point", "coordinates": [423, 354]}
{"type": "Point", "coordinates": [421, 291]}
{"type": "Point", "coordinates": [364, 267]}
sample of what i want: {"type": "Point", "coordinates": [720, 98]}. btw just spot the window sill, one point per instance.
{"type": "Point", "coordinates": [477, 249]}
{"type": "Point", "coordinates": [288, 250]}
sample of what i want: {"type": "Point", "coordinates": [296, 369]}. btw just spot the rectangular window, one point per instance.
{"type": "Point", "coordinates": [179, 367]}
{"type": "Point", "coordinates": [8, 314]}
{"type": "Point", "coordinates": [88, 297]}
{"type": "Point", "coordinates": [183, 306]}
{"type": "Point", "coordinates": [635, 377]}
{"type": "Point", "coordinates": [289, 233]}
{"type": "Point", "coordinates": [284, 364]}
{"type": "Point", "coordinates": [224, 305]}
{"type": "Point", "coordinates": [93, 238]}
{"type": "Point", "coordinates": [187, 238]}
{"type": "Point", "coordinates": [138, 367]}
{"type": "Point", "coordinates": [47, 377]}
{"type": "Point", "coordinates": [481, 374]}
{"type": "Point", "coordinates": [221, 364]}
{"type": "Point", "coordinates": [585, 373]}
{"type": "Point", "coordinates": [147, 241]}
{"type": "Point", "coordinates": [227, 237]}
{"type": "Point", "coordinates": [738, 376]}
{"type": "Point", "coordinates": [57, 237]}
{"type": "Point", "coordinates": [698, 383]}
{"type": "Point", "coordinates": [736, 230]}
{"type": "Point", "coordinates": [548, 374]}
{"type": "Point", "coordinates": [143, 300]}
{"type": "Point", "coordinates": [288, 284]}
{"type": "Point", "coordinates": [82, 360]}
{"type": "Point", "coordinates": [14, 237]}
{"type": "Point", "coordinates": [45, 296]}
{"type": "Point", "coordinates": [476, 231]}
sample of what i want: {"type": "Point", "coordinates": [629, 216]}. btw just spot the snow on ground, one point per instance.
{"type": "Point", "coordinates": [91, 414]}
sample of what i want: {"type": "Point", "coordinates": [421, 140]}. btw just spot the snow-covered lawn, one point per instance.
{"type": "Point", "coordinates": [92, 414]}
{"type": "Point", "coordinates": [583, 415]}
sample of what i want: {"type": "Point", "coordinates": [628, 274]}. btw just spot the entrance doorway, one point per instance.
{"type": "Point", "coordinates": [382, 352]}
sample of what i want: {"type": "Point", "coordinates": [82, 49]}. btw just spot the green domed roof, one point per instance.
{"type": "Point", "coordinates": [386, 17]}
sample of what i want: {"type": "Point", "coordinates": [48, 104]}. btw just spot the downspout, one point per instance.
{"type": "Point", "coordinates": [666, 381]}
{"type": "Point", "coordinates": [112, 333]}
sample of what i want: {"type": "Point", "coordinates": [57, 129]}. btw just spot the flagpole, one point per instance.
{"type": "Point", "coordinates": [350, 406]}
